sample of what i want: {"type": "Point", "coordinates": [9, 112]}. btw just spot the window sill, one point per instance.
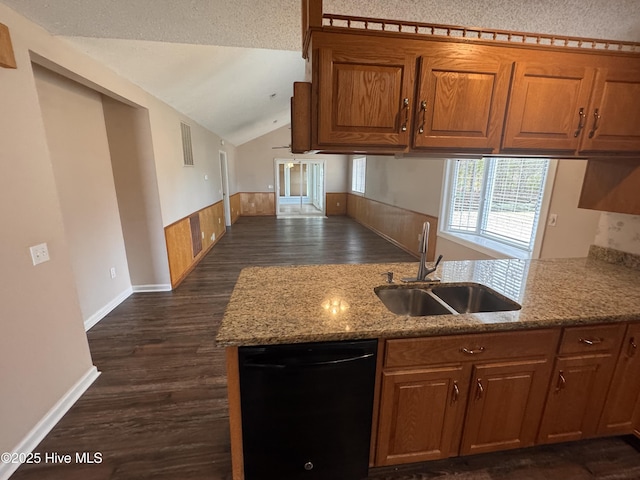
{"type": "Point", "coordinates": [485, 245]}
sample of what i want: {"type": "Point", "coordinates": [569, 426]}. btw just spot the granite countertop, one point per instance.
{"type": "Point", "coordinates": [274, 305]}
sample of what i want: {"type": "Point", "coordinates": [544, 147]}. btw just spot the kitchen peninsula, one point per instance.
{"type": "Point", "coordinates": [562, 367]}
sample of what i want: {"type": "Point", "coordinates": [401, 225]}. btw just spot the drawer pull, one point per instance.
{"type": "Point", "coordinates": [583, 117]}
{"type": "Point", "coordinates": [596, 123]}
{"type": "Point", "coordinates": [405, 105]}
{"type": "Point", "coordinates": [561, 381]}
{"type": "Point", "coordinates": [423, 108]}
{"type": "Point", "coordinates": [455, 393]}
{"type": "Point", "coordinates": [479, 390]}
{"type": "Point", "coordinates": [591, 341]}
{"type": "Point", "coordinates": [633, 347]}
{"type": "Point", "coordinates": [472, 351]}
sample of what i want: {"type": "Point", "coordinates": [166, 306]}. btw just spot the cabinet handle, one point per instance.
{"type": "Point", "coordinates": [423, 109]}
{"type": "Point", "coordinates": [455, 393]}
{"type": "Point", "coordinates": [583, 117]}
{"type": "Point", "coordinates": [472, 351]}
{"type": "Point", "coordinates": [596, 122]}
{"type": "Point", "coordinates": [480, 389]}
{"type": "Point", "coordinates": [633, 347]}
{"type": "Point", "coordinates": [561, 381]}
{"type": "Point", "coordinates": [591, 341]}
{"type": "Point", "coordinates": [405, 105]}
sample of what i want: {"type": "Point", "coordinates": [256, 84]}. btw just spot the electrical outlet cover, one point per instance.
{"type": "Point", "coordinates": [39, 253]}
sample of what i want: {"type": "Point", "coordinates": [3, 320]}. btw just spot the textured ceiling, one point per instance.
{"type": "Point", "coordinates": [168, 47]}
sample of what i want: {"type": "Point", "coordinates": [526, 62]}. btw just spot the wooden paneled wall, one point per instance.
{"type": "Point", "coordinates": [336, 204]}
{"type": "Point", "coordinates": [254, 204]}
{"type": "Point", "coordinates": [398, 225]}
{"type": "Point", "coordinates": [203, 227]}
{"type": "Point", "coordinates": [234, 203]}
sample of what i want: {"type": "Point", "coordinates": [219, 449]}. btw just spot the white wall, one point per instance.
{"type": "Point", "coordinates": [43, 346]}
{"type": "Point", "coordinates": [134, 174]}
{"type": "Point", "coordinates": [79, 151]}
{"type": "Point", "coordinates": [255, 167]}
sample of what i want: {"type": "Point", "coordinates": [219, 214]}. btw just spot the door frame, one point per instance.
{"type": "Point", "coordinates": [281, 161]}
{"type": "Point", "coordinates": [224, 181]}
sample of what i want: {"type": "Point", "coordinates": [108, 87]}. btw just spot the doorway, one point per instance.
{"type": "Point", "coordinates": [300, 188]}
{"type": "Point", "coordinates": [224, 178]}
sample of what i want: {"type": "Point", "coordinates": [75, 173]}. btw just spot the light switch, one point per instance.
{"type": "Point", "coordinates": [39, 253]}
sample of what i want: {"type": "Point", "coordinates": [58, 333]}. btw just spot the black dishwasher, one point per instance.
{"type": "Point", "coordinates": [306, 410]}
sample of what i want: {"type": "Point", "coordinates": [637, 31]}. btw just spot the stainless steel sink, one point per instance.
{"type": "Point", "coordinates": [473, 298]}
{"type": "Point", "coordinates": [443, 299]}
{"type": "Point", "coordinates": [414, 302]}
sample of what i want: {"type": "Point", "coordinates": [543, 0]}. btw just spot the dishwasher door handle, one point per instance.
{"type": "Point", "coordinates": [250, 364]}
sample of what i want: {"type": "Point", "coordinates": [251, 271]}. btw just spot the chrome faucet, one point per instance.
{"type": "Point", "coordinates": [423, 270]}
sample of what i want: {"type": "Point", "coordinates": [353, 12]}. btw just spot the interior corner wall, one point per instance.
{"type": "Point", "coordinates": [255, 167]}
{"type": "Point", "coordinates": [43, 346]}
{"type": "Point", "coordinates": [576, 227]}
{"type": "Point", "coordinates": [77, 139]}
{"type": "Point", "coordinates": [134, 173]}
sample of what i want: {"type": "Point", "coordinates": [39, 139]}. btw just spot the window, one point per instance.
{"type": "Point", "coordinates": [358, 174]}
{"type": "Point", "coordinates": [495, 202]}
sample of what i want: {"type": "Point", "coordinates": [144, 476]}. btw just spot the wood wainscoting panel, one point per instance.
{"type": "Point", "coordinates": [398, 225]}
{"type": "Point", "coordinates": [200, 229]}
{"type": "Point", "coordinates": [234, 203]}
{"type": "Point", "coordinates": [178, 238]}
{"type": "Point", "coordinates": [212, 224]}
{"type": "Point", "coordinates": [336, 204]}
{"type": "Point", "coordinates": [255, 204]}
{"type": "Point", "coordinates": [7, 58]}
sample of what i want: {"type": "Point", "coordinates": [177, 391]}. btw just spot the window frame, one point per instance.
{"type": "Point", "coordinates": [354, 174]}
{"type": "Point", "coordinates": [489, 245]}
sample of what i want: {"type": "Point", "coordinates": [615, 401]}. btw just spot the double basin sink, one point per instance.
{"type": "Point", "coordinates": [443, 299]}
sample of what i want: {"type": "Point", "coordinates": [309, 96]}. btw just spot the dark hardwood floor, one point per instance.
{"type": "Point", "coordinates": [159, 409]}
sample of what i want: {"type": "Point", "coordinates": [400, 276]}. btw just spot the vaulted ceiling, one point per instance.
{"type": "Point", "coordinates": [221, 62]}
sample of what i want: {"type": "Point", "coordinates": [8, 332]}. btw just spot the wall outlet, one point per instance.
{"type": "Point", "coordinates": [213, 237]}
{"type": "Point", "coordinates": [552, 220]}
{"type": "Point", "coordinates": [206, 177]}
{"type": "Point", "coordinates": [203, 235]}
{"type": "Point", "coordinates": [270, 187]}
{"type": "Point", "coordinates": [112, 272]}
{"type": "Point", "coordinates": [219, 220]}
{"type": "Point", "coordinates": [337, 204]}
{"type": "Point", "coordinates": [39, 253]}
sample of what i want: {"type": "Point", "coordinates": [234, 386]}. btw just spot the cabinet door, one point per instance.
{"type": "Point", "coordinates": [576, 397]}
{"type": "Point", "coordinates": [622, 406]}
{"type": "Point", "coordinates": [461, 103]}
{"type": "Point", "coordinates": [505, 406]}
{"type": "Point", "coordinates": [421, 414]}
{"type": "Point", "coordinates": [364, 98]}
{"type": "Point", "coordinates": [548, 108]}
{"type": "Point", "coordinates": [614, 123]}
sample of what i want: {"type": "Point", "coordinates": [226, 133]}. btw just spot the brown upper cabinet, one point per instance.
{"type": "Point", "coordinates": [364, 98]}
{"type": "Point", "coordinates": [461, 102]}
{"type": "Point", "coordinates": [379, 91]}
{"type": "Point", "coordinates": [573, 108]}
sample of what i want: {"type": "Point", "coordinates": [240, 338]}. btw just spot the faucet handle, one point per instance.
{"type": "Point", "coordinates": [389, 276]}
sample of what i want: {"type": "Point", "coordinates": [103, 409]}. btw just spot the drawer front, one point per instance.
{"type": "Point", "coordinates": [407, 352]}
{"type": "Point", "coordinates": [598, 338]}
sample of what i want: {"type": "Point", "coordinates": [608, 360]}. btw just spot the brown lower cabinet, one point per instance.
{"type": "Point", "coordinates": [486, 395]}
{"type": "Point", "coordinates": [467, 394]}
{"type": "Point", "coordinates": [505, 406]}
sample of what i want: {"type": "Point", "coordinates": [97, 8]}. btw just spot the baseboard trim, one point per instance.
{"type": "Point", "coordinates": [50, 420]}
{"type": "Point", "coordinates": [104, 311]}
{"type": "Point", "coordinates": [160, 287]}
